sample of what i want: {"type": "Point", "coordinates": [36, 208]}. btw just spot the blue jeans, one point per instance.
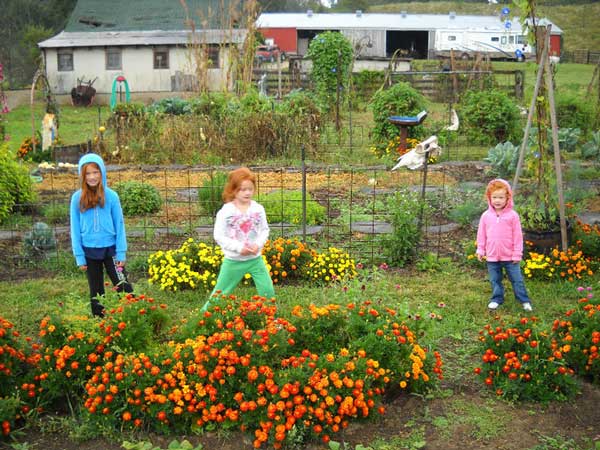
{"type": "Point", "coordinates": [513, 271]}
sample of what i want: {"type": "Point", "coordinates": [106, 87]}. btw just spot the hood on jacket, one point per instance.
{"type": "Point", "coordinates": [93, 158]}
{"type": "Point", "coordinates": [509, 203]}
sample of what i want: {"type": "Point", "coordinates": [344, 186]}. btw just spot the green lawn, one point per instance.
{"type": "Point", "coordinates": [76, 124]}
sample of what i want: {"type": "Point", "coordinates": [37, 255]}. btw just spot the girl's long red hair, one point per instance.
{"type": "Point", "coordinates": [90, 198]}
{"type": "Point", "coordinates": [234, 181]}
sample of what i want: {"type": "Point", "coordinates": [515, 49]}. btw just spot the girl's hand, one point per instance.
{"type": "Point", "coordinates": [83, 268]}
{"type": "Point", "coordinates": [479, 257]}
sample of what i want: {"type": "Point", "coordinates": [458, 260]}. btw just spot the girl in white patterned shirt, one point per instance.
{"type": "Point", "coordinates": [241, 230]}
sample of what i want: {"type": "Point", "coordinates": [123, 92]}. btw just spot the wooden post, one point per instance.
{"type": "Point", "coordinates": [530, 114]}
{"type": "Point", "coordinates": [557, 166]}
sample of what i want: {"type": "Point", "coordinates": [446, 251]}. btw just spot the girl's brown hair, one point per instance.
{"type": "Point", "coordinates": [90, 198]}
{"type": "Point", "coordinates": [496, 186]}
{"type": "Point", "coordinates": [234, 181]}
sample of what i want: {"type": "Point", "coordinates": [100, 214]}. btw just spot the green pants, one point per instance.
{"type": "Point", "coordinates": [232, 272]}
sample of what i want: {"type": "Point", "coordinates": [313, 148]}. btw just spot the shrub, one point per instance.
{"type": "Point", "coordinates": [286, 206]}
{"type": "Point", "coordinates": [399, 100]}
{"type": "Point", "coordinates": [210, 193]}
{"type": "Point", "coordinates": [489, 117]}
{"type": "Point", "coordinates": [288, 259]}
{"type": "Point", "coordinates": [56, 212]}
{"type": "Point", "coordinates": [574, 111]}
{"type": "Point", "coordinates": [522, 362]}
{"type": "Point", "coordinates": [16, 190]}
{"type": "Point", "coordinates": [138, 198]}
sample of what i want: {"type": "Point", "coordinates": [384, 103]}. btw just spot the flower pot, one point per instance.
{"type": "Point", "coordinates": [545, 241]}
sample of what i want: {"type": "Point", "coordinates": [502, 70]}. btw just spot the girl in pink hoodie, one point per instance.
{"type": "Point", "coordinates": [500, 242]}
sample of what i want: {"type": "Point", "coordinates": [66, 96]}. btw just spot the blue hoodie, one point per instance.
{"type": "Point", "coordinates": [99, 227]}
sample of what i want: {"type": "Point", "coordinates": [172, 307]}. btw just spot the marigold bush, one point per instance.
{"type": "Point", "coordinates": [196, 265]}
{"type": "Point", "coordinates": [239, 365]}
{"type": "Point", "coordinates": [579, 330]}
{"type": "Point", "coordinates": [288, 259]}
{"type": "Point", "coordinates": [331, 265]}
{"type": "Point", "coordinates": [193, 265]}
{"type": "Point", "coordinates": [570, 265]}
{"type": "Point", "coordinates": [523, 362]}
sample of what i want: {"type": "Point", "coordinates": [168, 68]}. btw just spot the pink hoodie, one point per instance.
{"type": "Point", "coordinates": [499, 235]}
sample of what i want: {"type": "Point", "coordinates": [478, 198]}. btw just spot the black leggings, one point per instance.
{"type": "Point", "coordinates": [95, 276]}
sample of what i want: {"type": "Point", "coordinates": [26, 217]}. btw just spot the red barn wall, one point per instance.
{"type": "Point", "coordinates": [285, 38]}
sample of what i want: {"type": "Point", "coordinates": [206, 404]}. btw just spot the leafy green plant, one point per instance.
{"type": "Point", "coordinates": [503, 159]}
{"type": "Point", "coordinates": [489, 116]}
{"type": "Point", "coordinates": [174, 106]}
{"type": "Point", "coordinates": [401, 245]}
{"type": "Point", "coordinates": [465, 213]}
{"type": "Point", "coordinates": [591, 149]}
{"type": "Point", "coordinates": [210, 193]}
{"type": "Point", "coordinates": [56, 212]}
{"type": "Point", "coordinates": [138, 198]}
{"type": "Point", "coordinates": [39, 241]}
{"type": "Point", "coordinates": [331, 55]}
{"type": "Point", "coordinates": [431, 262]}
{"type": "Point", "coordinates": [286, 206]}
{"type": "Point", "coordinates": [399, 100]}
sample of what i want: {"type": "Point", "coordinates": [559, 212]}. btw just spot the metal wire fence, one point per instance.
{"type": "Point", "coordinates": [354, 204]}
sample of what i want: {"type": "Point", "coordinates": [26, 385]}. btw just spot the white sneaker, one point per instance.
{"type": "Point", "coordinates": [493, 305]}
{"type": "Point", "coordinates": [527, 306]}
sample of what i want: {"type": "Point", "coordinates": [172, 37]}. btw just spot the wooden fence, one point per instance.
{"type": "Point", "coordinates": [583, 56]}
{"type": "Point", "coordinates": [441, 86]}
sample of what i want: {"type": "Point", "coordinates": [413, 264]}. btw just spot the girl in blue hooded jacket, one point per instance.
{"type": "Point", "coordinates": [98, 231]}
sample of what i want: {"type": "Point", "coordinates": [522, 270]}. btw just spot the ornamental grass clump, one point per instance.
{"type": "Point", "coordinates": [580, 331]}
{"type": "Point", "coordinates": [288, 259]}
{"type": "Point", "coordinates": [331, 265]}
{"type": "Point", "coordinates": [558, 265]}
{"type": "Point", "coordinates": [194, 265]}
{"type": "Point", "coordinates": [523, 362]}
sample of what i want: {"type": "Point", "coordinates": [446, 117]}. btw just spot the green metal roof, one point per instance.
{"type": "Point", "coordinates": [145, 15]}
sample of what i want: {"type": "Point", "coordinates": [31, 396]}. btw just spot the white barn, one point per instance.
{"type": "Point", "coordinates": [148, 42]}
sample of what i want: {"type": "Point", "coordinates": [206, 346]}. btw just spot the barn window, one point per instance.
{"type": "Point", "coordinates": [213, 56]}
{"type": "Point", "coordinates": [503, 40]}
{"type": "Point", "coordinates": [161, 58]}
{"type": "Point", "coordinates": [495, 39]}
{"type": "Point", "coordinates": [451, 38]}
{"type": "Point", "coordinates": [511, 39]}
{"type": "Point", "coordinates": [113, 59]}
{"type": "Point", "coordinates": [65, 60]}
{"type": "Point", "coordinates": [521, 39]}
